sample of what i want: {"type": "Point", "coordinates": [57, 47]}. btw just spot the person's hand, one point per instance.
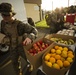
{"type": "Point", "coordinates": [58, 20]}
{"type": "Point", "coordinates": [27, 41]}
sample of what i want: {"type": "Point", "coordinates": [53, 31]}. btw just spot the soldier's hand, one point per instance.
{"type": "Point", "coordinates": [27, 41]}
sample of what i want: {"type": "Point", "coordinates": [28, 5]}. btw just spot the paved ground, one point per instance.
{"type": "Point", "coordinates": [43, 31]}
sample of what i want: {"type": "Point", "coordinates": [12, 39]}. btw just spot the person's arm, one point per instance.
{"type": "Point", "coordinates": [0, 27]}
{"type": "Point", "coordinates": [31, 32]}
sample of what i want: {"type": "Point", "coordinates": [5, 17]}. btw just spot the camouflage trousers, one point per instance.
{"type": "Point", "coordinates": [14, 55]}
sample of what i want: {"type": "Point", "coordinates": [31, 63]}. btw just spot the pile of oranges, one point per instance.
{"type": "Point", "coordinates": [59, 57]}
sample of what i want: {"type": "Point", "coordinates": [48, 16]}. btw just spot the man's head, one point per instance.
{"type": "Point", "coordinates": [6, 9]}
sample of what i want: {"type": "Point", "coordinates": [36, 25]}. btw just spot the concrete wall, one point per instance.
{"type": "Point", "coordinates": [33, 1]}
{"type": "Point", "coordinates": [32, 10]}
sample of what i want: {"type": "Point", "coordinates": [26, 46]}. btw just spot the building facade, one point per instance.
{"type": "Point", "coordinates": [33, 9]}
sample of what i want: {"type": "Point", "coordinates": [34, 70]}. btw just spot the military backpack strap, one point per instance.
{"type": "Point", "coordinates": [2, 26]}
{"type": "Point", "coordinates": [19, 38]}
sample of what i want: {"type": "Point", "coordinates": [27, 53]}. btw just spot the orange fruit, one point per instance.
{"type": "Point", "coordinates": [60, 48]}
{"type": "Point", "coordinates": [49, 54]}
{"type": "Point", "coordinates": [57, 57]}
{"type": "Point", "coordinates": [60, 63]}
{"type": "Point", "coordinates": [47, 57]}
{"type": "Point", "coordinates": [52, 60]}
{"type": "Point", "coordinates": [49, 64]}
{"type": "Point", "coordinates": [64, 54]}
{"type": "Point", "coordinates": [66, 63]}
{"type": "Point", "coordinates": [53, 54]}
{"type": "Point", "coordinates": [56, 66]}
{"type": "Point", "coordinates": [69, 59]}
{"type": "Point", "coordinates": [58, 51]}
{"type": "Point", "coordinates": [52, 50]}
{"type": "Point", "coordinates": [56, 47]}
{"type": "Point", "coordinates": [70, 55]}
{"type": "Point", "coordinates": [62, 59]}
{"type": "Point", "coordinates": [65, 48]}
{"type": "Point", "coordinates": [70, 52]}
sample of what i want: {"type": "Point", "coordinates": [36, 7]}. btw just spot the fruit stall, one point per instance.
{"type": "Point", "coordinates": [53, 54]}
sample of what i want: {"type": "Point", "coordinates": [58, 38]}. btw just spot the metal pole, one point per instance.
{"type": "Point", "coordinates": [68, 3]}
{"type": "Point", "coordinates": [52, 6]}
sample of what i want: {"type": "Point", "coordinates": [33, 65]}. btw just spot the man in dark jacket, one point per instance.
{"type": "Point", "coordinates": [30, 21]}
{"type": "Point", "coordinates": [17, 32]}
{"type": "Point", "coordinates": [51, 21]}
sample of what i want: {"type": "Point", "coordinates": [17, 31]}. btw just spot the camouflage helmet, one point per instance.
{"type": "Point", "coordinates": [6, 8]}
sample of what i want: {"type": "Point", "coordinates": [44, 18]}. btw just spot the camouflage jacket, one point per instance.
{"type": "Point", "coordinates": [17, 30]}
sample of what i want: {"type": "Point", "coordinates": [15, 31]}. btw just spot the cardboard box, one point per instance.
{"type": "Point", "coordinates": [68, 32]}
{"type": "Point", "coordinates": [36, 60]}
{"type": "Point", "coordinates": [52, 71]}
{"type": "Point", "coordinates": [63, 37]}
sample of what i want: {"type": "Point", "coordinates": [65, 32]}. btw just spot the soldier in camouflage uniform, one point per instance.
{"type": "Point", "coordinates": [52, 21]}
{"type": "Point", "coordinates": [15, 31]}
{"type": "Point", "coordinates": [55, 20]}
